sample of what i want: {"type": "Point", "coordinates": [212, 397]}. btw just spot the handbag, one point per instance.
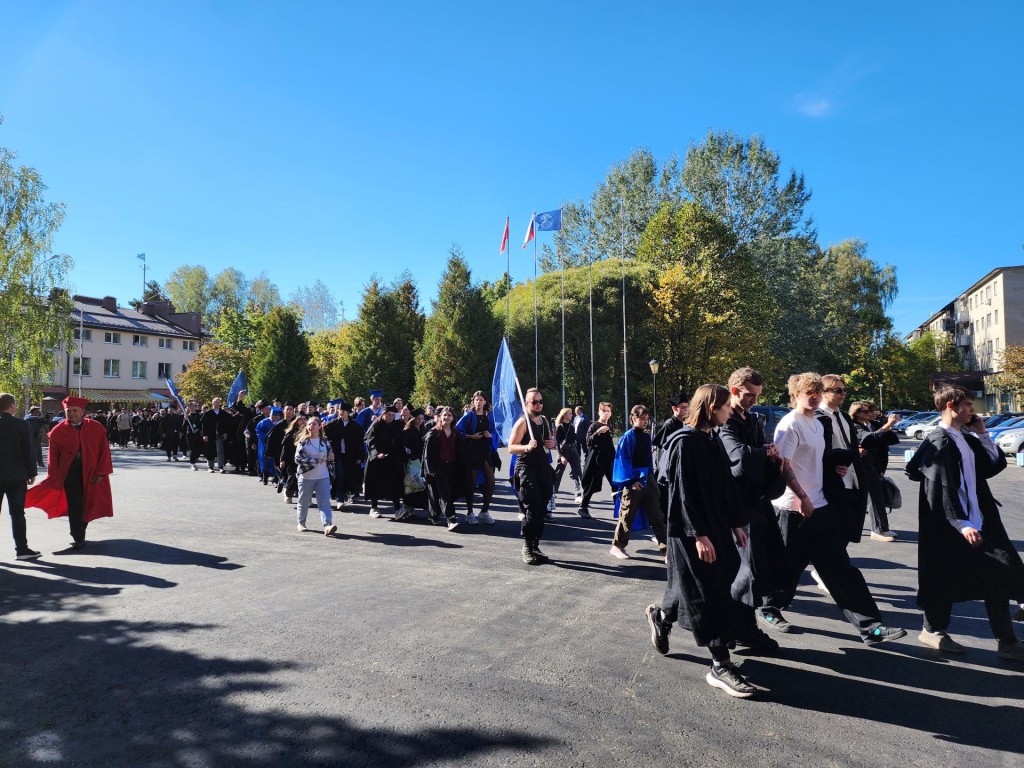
{"type": "Point", "coordinates": [413, 480]}
{"type": "Point", "coordinates": [891, 496]}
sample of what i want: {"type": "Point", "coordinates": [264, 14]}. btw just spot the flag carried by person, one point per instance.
{"type": "Point", "coordinates": [506, 400]}
{"type": "Point", "coordinates": [175, 394]}
{"type": "Point", "coordinates": [549, 221]}
{"type": "Point", "coordinates": [531, 232]}
{"type": "Point", "coordinates": [237, 387]}
{"type": "Point", "coordinates": [504, 238]}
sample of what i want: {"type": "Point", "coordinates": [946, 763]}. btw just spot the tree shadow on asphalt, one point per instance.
{"type": "Point", "coordinates": [105, 693]}
{"type": "Point", "coordinates": [848, 688]}
{"type": "Point", "coordinates": [151, 552]}
{"type": "Point", "coordinates": [22, 589]}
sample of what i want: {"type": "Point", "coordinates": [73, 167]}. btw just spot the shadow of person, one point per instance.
{"type": "Point", "coordinates": [152, 552]}
{"type": "Point", "coordinates": [630, 569]}
{"type": "Point", "coordinates": [402, 540]}
{"type": "Point", "coordinates": [98, 574]}
{"type": "Point", "coordinates": [30, 589]}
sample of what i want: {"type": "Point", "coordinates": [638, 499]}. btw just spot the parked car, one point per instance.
{"type": "Point", "coordinates": [999, 419]}
{"type": "Point", "coordinates": [902, 414]}
{"type": "Point", "coordinates": [770, 415]}
{"type": "Point", "coordinates": [1011, 442]}
{"type": "Point", "coordinates": [1006, 426]}
{"type": "Point", "coordinates": [905, 424]}
{"type": "Point", "coordinates": [922, 429]}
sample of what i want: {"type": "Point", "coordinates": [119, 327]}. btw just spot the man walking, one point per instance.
{"type": "Point", "coordinates": [215, 425]}
{"type": "Point", "coordinates": [530, 441]}
{"type": "Point", "coordinates": [633, 473]}
{"type": "Point", "coordinates": [17, 471]}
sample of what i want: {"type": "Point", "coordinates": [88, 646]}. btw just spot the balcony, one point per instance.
{"type": "Point", "coordinates": [963, 340]}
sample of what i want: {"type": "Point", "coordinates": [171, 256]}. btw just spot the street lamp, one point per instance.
{"type": "Point", "coordinates": [655, 364]}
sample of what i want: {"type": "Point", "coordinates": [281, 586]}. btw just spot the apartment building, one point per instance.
{"type": "Point", "coordinates": [121, 356]}
{"type": "Point", "coordinates": [981, 321]}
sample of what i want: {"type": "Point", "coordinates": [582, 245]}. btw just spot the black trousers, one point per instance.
{"type": "Point", "coordinates": [74, 489]}
{"type": "Point", "coordinates": [441, 490]}
{"type": "Point", "coordinates": [936, 617]}
{"type": "Point", "coordinates": [534, 487]}
{"type": "Point", "coordinates": [15, 490]}
{"type": "Point", "coordinates": [819, 540]}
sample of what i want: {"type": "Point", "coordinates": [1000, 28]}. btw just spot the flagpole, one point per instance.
{"type": "Point", "coordinates": [593, 404]}
{"type": "Point", "coordinates": [561, 267]}
{"type": "Point", "coordinates": [625, 355]}
{"type": "Point", "coordinates": [536, 325]}
{"type": "Point", "coordinates": [508, 278]}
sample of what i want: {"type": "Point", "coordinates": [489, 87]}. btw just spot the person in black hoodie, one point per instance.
{"type": "Point", "coordinates": [17, 471]}
{"type": "Point", "coordinates": [874, 440]}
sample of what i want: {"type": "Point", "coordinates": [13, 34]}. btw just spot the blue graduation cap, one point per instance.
{"type": "Point", "coordinates": [376, 393]}
{"type": "Point", "coordinates": [334, 402]}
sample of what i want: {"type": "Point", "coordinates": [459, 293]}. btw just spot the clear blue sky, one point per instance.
{"type": "Point", "coordinates": [337, 140]}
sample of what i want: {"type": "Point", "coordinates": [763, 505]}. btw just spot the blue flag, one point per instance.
{"type": "Point", "coordinates": [236, 388]}
{"type": "Point", "coordinates": [506, 407]}
{"type": "Point", "coordinates": [549, 221]}
{"type": "Point", "coordinates": [175, 394]}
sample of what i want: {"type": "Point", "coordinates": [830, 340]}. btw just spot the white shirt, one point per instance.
{"type": "Point", "coordinates": [801, 441]}
{"type": "Point", "coordinates": [841, 438]}
{"type": "Point", "coordinates": [968, 491]}
{"type": "Point", "coordinates": [316, 450]}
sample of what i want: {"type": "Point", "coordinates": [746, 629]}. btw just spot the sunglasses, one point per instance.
{"type": "Point", "coordinates": [837, 391]}
{"type": "Point", "coordinates": [536, 402]}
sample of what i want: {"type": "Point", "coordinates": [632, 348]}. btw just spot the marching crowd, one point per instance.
{"type": "Point", "coordinates": [737, 514]}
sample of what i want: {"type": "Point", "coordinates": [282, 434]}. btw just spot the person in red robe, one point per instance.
{"type": "Point", "coordinates": [78, 472]}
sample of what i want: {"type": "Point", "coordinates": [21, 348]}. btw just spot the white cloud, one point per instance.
{"type": "Point", "coordinates": [813, 107]}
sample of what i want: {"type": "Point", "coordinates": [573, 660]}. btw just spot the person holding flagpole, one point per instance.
{"type": "Point", "coordinates": [530, 442]}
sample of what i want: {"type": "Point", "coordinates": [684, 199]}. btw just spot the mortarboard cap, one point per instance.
{"type": "Point", "coordinates": [376, 393]}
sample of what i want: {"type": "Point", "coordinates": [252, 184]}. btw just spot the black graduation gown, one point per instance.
{"type": "Point", "coordinates": [170, 426]}
{"type": "Point", "coordinates": [352, 435]}
{"type": "Point", "coordinates": [600, 458]}
{"type": "Point", "coordinates": [949, 570]}
{"type": "Point", "coordinates": [384, 463]}
{"type": "Point", "coordinates": [759, 480]}
{"type": "Point", "coordinates": [703, 501]}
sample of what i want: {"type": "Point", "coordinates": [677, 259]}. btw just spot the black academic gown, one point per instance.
{"type": "Point", "coordinates": [703, 501]}
{"type": "Point", "coordinates": [384, 463]}
{"type": "Point", "coordinates": [600, 458]}
{"type": "Point", "coordinates": [350, 434]}
{"type": "Point", "coordinates": [949, 570]}
{"type": "Point", "coordinates": [759, 480]}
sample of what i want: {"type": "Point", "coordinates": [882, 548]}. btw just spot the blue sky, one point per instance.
{"type": "Point", "coordinates": [323, 140]}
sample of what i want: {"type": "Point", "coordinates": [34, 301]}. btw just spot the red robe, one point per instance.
{"type": "Point", "coordinates": [65, 441]}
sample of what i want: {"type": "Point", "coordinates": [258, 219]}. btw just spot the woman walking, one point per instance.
{"type": "Point", "coordinates": [313, 458]}
{"type": "Point", "coordinates": [441, 468]}
{"type": "Point", "coordinates": [288, 465]}
{"type": "Point", "coordinates": [477, 427]}
{"type": "Point", "coordinates": [568, 452]}
{"type": "Point", "coordinates": [705, 526]}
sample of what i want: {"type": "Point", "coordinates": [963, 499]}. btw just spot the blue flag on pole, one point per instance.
{"type": "Point", "coordinates": [549, 221]}
{"type": "Point", "coordinates": [505, 404]}
{"type": "Point", "coordinates": [175, 394]}
{"type": "Point", "coordinates": [236, 388]}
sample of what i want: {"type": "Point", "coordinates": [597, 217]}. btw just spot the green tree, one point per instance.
{"type": "Point", "coordinates": [153, 292]}
{"type": "Point", "coordinates": [35, 308]}
{"type": "Point", "coordinates": [212, 371]}
{"type": "Point", "coordinates": [281, 362]}
{"type": "Point", "coordinates": [460, 339]}
{"type": "Point", "coordinates": [228, 289]}
{"type": "Point", "coordinates": [189, 288]}
{"type": "Point", "coordinates": [240, 330]}
{"type": "Point", "coordinates": [329, 348]}
{"type": "Point", "coordinates": [263, 293]}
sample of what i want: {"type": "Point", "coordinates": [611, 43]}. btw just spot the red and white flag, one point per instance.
{"type": "Point", "coordinates": [530, 231]}
{"type": "Point", "coordinates": [504, 238]}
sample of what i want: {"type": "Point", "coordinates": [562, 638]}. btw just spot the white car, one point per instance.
{"type": "Point", "coordinates": [1011, 442]}
{"type": "Point", "coordinates": [922, 430]}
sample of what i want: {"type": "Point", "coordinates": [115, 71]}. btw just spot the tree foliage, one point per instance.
{"type": "Point", "coordinates": [460, 339]}
{"type": "Point", "coordinates": [240, 330]}
{"type": "Point", "coordinates": [316, 305]}
{"type": "Point", "coordinates": [212, 371]}
{"type": "Point", "coordinates": [153, 292]}
{"type": "Point", "coordinates": [192, 289]}
{"type": "Point", "coordinates": [35, 308]}
{"type": "Point", "coordinates": [281, 362]}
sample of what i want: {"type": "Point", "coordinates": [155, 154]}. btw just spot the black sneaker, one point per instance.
{"type": "Point", "coordinates": [659, 629]}
{"type": "Point", "coordinates": [727, 677]}
{"type": "Point", "coordinates": [882, 633]}
{"type": "Point", "coordinates": [773, 619]}
{"type": "Point", "coordinates": [759, 644]}
{"type": "Point", "coordinates": [77, 544]}
{"type": "Point", "coordinates": [584, 513]}
{"type": "Point", "coordinates": [27, 554]}
{"type": "Point", "coordinates": [1019, 615]}
{"type": "Point", "coordinates": [541, 557]}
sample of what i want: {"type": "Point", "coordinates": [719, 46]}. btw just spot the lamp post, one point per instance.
{"type": "Point", "coordinates": [881, 405]}
{"type": "Point", "coordinates": [655, 364]}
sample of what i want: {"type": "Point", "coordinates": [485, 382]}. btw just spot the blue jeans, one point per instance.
{"type": "Point", "coordinates": [322, 486]}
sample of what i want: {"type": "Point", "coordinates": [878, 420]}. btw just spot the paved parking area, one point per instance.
{"type": "Point", "coordinates": [199, 629]}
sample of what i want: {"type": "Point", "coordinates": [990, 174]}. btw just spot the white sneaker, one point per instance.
{"type": "Point", "coordinates": [485, 517]}
{"type": "Point", "coordinates": [579, 499]}
{"type": "Point", "coordinates": [882, 537]}
{"type": "Point", "coordinates": [552, 504]}
{"type": "Point", "coordinates": [301, 528]}
{"type": "Point", "coordinates": [521, 517]}
{"type": "Point", "coordinates": [471, 519]}
{"type": "Point", "coordinates": [821, 584]}
{"type": "Point", "coordinates": [374, 512]}
{"type": "Point", "coordinates": [195, 468]}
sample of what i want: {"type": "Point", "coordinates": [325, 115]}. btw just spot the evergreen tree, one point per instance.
{"type": "Point", "coordinates": [460, 339]}
{"type": "Point", "coordinates": [281, 362]}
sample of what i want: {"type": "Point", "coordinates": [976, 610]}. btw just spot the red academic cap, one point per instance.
{"type": "Point", "coordinates": [75, 402]}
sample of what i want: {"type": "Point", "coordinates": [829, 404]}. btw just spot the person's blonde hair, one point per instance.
{"type": "Point", "coordinates": [705, 401]}
{"type": "Point", "coordinates": [561, 415]}
{"type": "Point", "coordinates": [803, 382]}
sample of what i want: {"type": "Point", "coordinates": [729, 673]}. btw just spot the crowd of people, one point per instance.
{"type": "Point", "coordinates": [738, 516]}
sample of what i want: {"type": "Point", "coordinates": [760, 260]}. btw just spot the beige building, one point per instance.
{"type": "Point", "coordinates": [121, 356]}
{"type": "Point", "coordinates": [981, 321]}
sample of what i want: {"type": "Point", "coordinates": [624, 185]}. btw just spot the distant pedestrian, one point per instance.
{"type": "Point", "coordinates": [17, 471]}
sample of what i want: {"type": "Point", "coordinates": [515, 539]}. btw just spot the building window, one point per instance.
{"type": "Point", "coordinates": [81, 365]}
{"type": "Point", "coordinates": [995, 288]}
{"type": "Point", "coordinates": [138, 369]}
{"type": "Point", "coordinates": [988, 293]}
{"type": "Point", "coordinates": [988, 320]}
{"type": "Point", "coordinates": [989, 348]}
{"type": "Point", "coordinates": [112, 368]}
{"type": "Point", "coordinates": [83, 334]}
{"type": "Point", "coordinates": [165, 343]}
{"type": "Point", "coordinates": [188, 346]}
{"type": "Point", "coordinates": [112, 337]}
{"type": "Point", "coordinates": [139, 340]}
{"type": "Point", "coordinates": [996, 313]}
{"type": "Point", "coordinates": [163, 370]}
{"type": "Point", "coordinates": [997, 343]}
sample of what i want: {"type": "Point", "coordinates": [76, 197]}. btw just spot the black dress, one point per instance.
{"type": "Point", "coordinates": [384, 463]}
{"type": "Point", "coordinates": [600, 458]}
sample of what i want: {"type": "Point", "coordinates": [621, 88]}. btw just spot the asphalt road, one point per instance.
{"type": "Point", "coordinates": [200, 629]}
